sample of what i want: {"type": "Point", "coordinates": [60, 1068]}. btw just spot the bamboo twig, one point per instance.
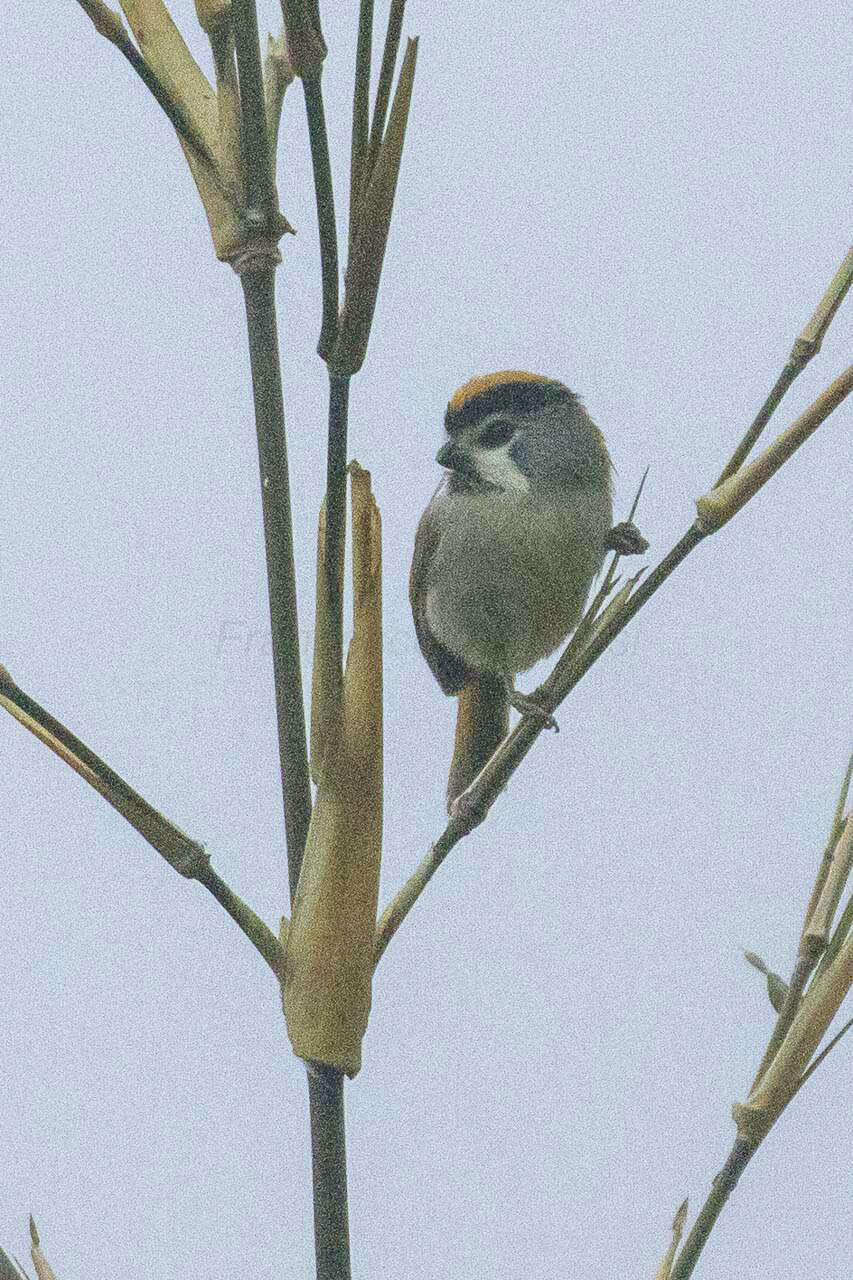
{"type": "Point", "coordinates": [336, 511]}
{"type": "Point", "coordinates": [257, 170]}
{"type": "Point", "coordinates": [360, 116]}
{"type": "Point", "coordinates": [186, 856]}
{"type": "Point", "coordinates": [806, 345]}
{"type": "Point", "coordinates": [385, 82]}
{"type": "Point", "coordinates": [108, 24]}
{"type": "Point", "coordinates": [723, 1185]}
{"type": "Point", "coordinates": [324, 195]}
{"type": "Point", "coordinates": [259, 292]}
{"type": "Point", "coordinates": [278, 76]}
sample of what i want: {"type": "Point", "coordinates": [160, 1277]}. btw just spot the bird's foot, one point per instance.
{"type": "Point", "coordinates": [528, 704]}
{"type": "Point", "coordinates": [626, 539]}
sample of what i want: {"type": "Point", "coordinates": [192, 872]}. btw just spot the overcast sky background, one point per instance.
{"type": "Point", "coordinates": [646, 201]}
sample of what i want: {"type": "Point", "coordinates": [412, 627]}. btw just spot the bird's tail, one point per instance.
{"type": "Point", "coordinates": [482, 722]}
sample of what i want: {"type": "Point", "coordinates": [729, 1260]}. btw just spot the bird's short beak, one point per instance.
{"type": "Point", "coordinates": [450, 455]}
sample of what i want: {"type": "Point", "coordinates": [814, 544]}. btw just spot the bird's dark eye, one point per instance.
{"type": "Point", "coordinates": [496, 433]}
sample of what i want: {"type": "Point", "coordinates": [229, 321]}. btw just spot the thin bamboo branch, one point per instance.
{"type": "Point", "coordinates": [665, 1268]}
{"type": "Point", "coordinates": [842, 928]}
{"type": "Point", "coordinates": [329, 1171]}
{"type": "Point", "coordinates": [186, 856]}
{"type": "Point", "coordinates": [182, 853]}
{"type": "Point", "coordinates": [259, 292]}
{"type": "Point", "coordinates": [278, 75]}
{"type": "Point", "coordinates": [835, 829]}
{"type": "Point", "coordinates": [360, 116]}
{"type": "Point", "coordinates": [364, 265]}
{"type": "Point", "coordinates": [806, 345]}
{"type": "Point", "coordinates": [261, 196]}
{"type": "Point", "coordinates": [258, 933]}
{"type": "Point", "coordinates": [723, 1185]}
{"type": "Point", "coordinates": [813, 1066]}
{"type": "Point", "coordinates": [385, 82]}
{"type": "Point", "coordinates": [108, 24]}
{"type": "Point", "coordinates": [336, 511]}
{"type": "Point", "coordinates": [726, 499]}
{"type": "Point", "coordinates": [324, 195]}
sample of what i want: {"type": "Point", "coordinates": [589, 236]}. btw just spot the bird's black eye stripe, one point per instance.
{"type": "Point", "coordinates": [496, 433]}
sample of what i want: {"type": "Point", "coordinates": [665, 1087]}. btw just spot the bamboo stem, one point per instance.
{"type": "Point", "coordinates": [723, 1185]}
{"type": "Point", "coordinates": [323, 191]}
{"type": "Point", "coordinates": [258, 288]}
{"type": "Point", "coordinates": [329, 1172]}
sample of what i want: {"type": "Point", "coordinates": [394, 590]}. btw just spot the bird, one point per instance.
{"type": "Point", "coordinates": [507, 549]}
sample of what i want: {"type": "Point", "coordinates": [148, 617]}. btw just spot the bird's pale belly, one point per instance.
{"type": "Point", "coordinates": [503, 595]}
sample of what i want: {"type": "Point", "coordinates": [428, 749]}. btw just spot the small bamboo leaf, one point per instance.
{"type": "Point", "coordinates": [782, 1078]}
{"type": "Point", "coordinates": [43, 1268]}
{"type": "Point", "coordinates": [678, 1221]}
{"type": "Point", "coordinates": [777, 987]}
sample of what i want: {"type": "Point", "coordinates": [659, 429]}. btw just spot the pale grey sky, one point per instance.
{"type": "Point", "coordinates": [646, 201]}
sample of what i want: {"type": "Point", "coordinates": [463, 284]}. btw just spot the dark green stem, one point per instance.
{"type": "Point", "coordinates": [336, 507]}
{"type": "Point", "coordinates": [786, 377]}
{"type": "Point", "coordinates": [258, 288]}
{"type": "Point", "coordinates": [324, 194]}
{"type": "Point", "coordinates": [360, 117]}
{"type": "Point", "coordinates": [385, 81]}
{"type": "Point", "coordinates": [806, 962]}
{"type": "Point", "coordinates": [724, 1184]}
{"type": "Point", "coordinates": [329, 1167]}
{"type": "Point", "coordinates": [260, 187]}
{"type": "Point", "coordinates": [251, 924]}
{"type": "Point", "coordinates": [160, 93]}
{"type": "Point", "coordinates": [185, 855]}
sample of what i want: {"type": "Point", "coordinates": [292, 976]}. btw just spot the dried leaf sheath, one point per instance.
{"type": "Point", "coordinates": [329, 962]}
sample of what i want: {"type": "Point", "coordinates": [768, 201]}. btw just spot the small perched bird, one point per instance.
{"type": "Point", "coordinates": [507, 548]}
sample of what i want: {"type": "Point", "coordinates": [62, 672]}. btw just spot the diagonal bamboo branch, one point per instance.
{"type": "Point", "coordinates": [108, 24]}
{"type": "Point", "coordinates": [806, 345]}
{"type": "Point", "coordinates": [186, 856]}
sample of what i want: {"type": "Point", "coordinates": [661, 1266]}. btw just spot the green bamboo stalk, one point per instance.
{"type": "Point", "coordinates": [329, 1170]}
{"type": "Point", "coordinates": [806, 345]}
{"type": "Point", "coordinates": [360, 116]}
{"type": "Point", "coordinates": [257, 170]}
{"type": "Point", "coordinates": [108, 24]}
{"type": "Point", "coordinates": [723, 1185]}
{"type": "Point", "coordinates": [324, 194]}
{"type": "Point", "coordinates": [385, 82]}
{"type": "Point", "coordinates": [186, 856]}
{"type": "Point", "coordinates": [259, 292]}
